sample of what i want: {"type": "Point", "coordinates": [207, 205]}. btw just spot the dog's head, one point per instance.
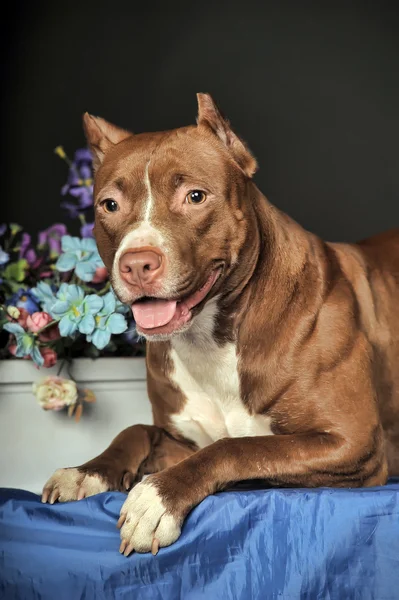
{"type": "Point", "coordinates": [171, 214]}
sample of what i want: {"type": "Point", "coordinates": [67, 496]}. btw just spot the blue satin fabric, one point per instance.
{"type": "Point", "coordinates": [256, 544]}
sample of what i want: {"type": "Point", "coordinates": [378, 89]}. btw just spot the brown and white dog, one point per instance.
{"type": "Point", "coordinates": [271, 354]}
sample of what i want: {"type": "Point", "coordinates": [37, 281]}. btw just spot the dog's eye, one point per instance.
{"type": "Point", "coordinates": [110, 205]}
{"type": "Point", "coordinates": [196, 197]}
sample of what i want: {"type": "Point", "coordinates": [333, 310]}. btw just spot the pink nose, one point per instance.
{"type": "Point", "coordinates": [141, 266]}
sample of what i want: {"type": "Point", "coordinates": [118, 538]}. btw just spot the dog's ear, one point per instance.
{"type": "Point", "coordinates": [209, 116]}
{"type": "Point", "coordinates": [101, 136]}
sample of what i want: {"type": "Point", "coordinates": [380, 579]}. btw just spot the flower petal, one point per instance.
{"type": "Point", "coordinates": [66, 262]}
{"type": "Point", "coordinates": [42, 291]}
{"type": "Point", "coordinates": [59, 308]}
{"type": "Point", "coordinates": [101, 338]}
{"type": "Point", "coordinates": [63, 291]}
{"type": "Point", "coordinates": [75, 293]}
{"type": "Point", "coordinates": [67, 327]}
{"type": "Point", "coordinates": [69, 243]}
{"type": "Point", "coordinates": [85, 270]}
{"type": "Point", "coordinates": [87, 230]}
{"type": "Point", "coordinates": [36, 356]}
{"type": "Point", "coordinates": [89, 245]}
{"type": "Point", "coordinates": [116, 323]}
{"type": "Point", "coordinates": [93, 304]}
{"type": "Point", "coordinates": [13, 328]}
{"type": "Point", "coordinates": [109, 303]}
{"type": "Point", "coordinates": [122, 308]}
{"type": "Point", "coordinates": [27, 343]}
{"type": "Point", "coordinates": [87, 324]}
{"type": "Point", "coordinates": [20, 350]}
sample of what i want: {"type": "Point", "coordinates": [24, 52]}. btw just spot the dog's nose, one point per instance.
{"type": "Point", "coordinates": [141, 266]}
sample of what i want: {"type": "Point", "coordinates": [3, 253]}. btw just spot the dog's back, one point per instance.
{"type": "Point", "coordinates": [381, 253]}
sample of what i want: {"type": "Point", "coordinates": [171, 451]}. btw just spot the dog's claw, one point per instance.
{"type": "Point", "coordinates": [155, 546]}
{"type": "Point", "coordinates": [122, 547]}
{"type": "Point", "coordinates": [45, 495]}
{"type": "Point", "coordinates": [121, 520]}
{"type": "Point", "coordinates": [54, 496]}
{"type": "Point", "coordinates": [127, 481]}
{"type": "Point", "coordinates": [129, 550]}
{"type": "Point", "coordinates": [81, 494]}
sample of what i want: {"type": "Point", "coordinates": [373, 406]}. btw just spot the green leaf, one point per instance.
{"type": "Point", "coordinates": [16, 271]}
{"type": "Point", "coordinates": [91, 351]}
{"type": "Point", "coordinates": [111, 347]}
{"type": "Point", "coordinates": [15, 286]}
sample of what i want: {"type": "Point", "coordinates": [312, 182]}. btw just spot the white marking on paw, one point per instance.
{"type": "Point", "coordinates": [71, 484]}
{"type": "Point", "coordinates": [145, 520]}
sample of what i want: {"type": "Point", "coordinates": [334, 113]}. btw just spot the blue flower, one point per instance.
{"type": "Point", "coordinates": [108, 321]}
{"type": "Point", "coordinates": [3, 229]}
{"type": "Point", "coordinates": [75, 311]}
{"type": "Point", "coordinates": [45, 295]}
{"type": "Point", "coordinates": [26, 343]}
{"type": "Point", "coordinates": [79, 255]}
{"type": "Point", "coordinates": [4, 257]}
{"type": "Point", "coordinates": [24, 299]}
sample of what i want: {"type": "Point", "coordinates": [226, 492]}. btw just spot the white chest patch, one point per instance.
{"type": "Point", "coordinates": [207, 375]}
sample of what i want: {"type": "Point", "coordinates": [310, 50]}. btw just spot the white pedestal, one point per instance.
{"type": "Point", "coordinates": [34, 442]}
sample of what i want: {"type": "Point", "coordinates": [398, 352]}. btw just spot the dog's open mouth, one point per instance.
{"type": "Point", "coordinates": [155, 316]}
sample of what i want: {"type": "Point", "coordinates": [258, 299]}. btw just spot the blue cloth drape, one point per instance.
{"type": "Point", "coordinates": [286, 544]}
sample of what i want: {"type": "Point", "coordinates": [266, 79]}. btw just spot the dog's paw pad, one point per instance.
{"type": "Point", "coordinates": [72, 484]}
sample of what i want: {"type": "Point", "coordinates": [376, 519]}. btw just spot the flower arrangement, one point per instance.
{"type": "Point", "coordinates": [56, 300]}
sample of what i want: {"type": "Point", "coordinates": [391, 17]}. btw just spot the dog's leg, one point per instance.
{"type": "Point", "coordinates": [155, 509]}
{"type": "Point", "coordinates": [137, 450]}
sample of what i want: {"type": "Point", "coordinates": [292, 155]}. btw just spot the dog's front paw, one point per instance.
{"type": "Point", "coordinates": [146, 524]}
{"type": "Point", "coordinates": [73, 484]}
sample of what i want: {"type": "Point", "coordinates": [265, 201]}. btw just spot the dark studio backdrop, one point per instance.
{"type": "Point", "coordinates": [313, 89]}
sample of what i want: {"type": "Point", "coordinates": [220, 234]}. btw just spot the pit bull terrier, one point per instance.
{"type": "Point", "coordinates": [271, 354]}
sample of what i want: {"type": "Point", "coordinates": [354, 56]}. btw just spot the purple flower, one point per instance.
{"type": "Point", "coordinates": [80, 171]}
{"type": "Point", "coordinates": [83, 158]}
{"type": "Point", "coordinates": [84, 195]}
{"type": "Point", "coordinates": [3, 229]}
{"type": "Point", "coordinates": [131, 336]}
{"type": "Point", "coordinates": [79, 183]}
{"type": "Point", "coordinates": [87, 230]}
{"type": "Point", "coordinates": [71, 208]}
{"type": "Point", "coordinates": [51, 237]}
{"type": "Point", "coordinates": [25, 250]}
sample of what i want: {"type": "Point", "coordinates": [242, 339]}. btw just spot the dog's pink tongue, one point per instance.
{"type": "Point", "coordinates": [154, 313]}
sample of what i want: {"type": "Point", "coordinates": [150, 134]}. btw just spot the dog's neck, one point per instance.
{"type": "Point", "coordinates": [269, 265]}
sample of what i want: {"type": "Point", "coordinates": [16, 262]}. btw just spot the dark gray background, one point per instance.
{"type": "Point", "coordinates": [312, 87]}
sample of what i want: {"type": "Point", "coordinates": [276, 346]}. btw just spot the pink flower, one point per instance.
{"type": "Point", "coordinates": [50, 334]}
{"type": "Point", "coordinates": [50, 357]}
{"type": "Point", "coordinates": [100, 275]}
{"type": "Point", "coordinates": [37, 321]}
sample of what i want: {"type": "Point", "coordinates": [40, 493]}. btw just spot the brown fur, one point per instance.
{"type": "Point", "coordinates": [316, 325]}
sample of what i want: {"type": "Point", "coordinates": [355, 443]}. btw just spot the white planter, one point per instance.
{"type": "Point", "coordinates": [34, 442]}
